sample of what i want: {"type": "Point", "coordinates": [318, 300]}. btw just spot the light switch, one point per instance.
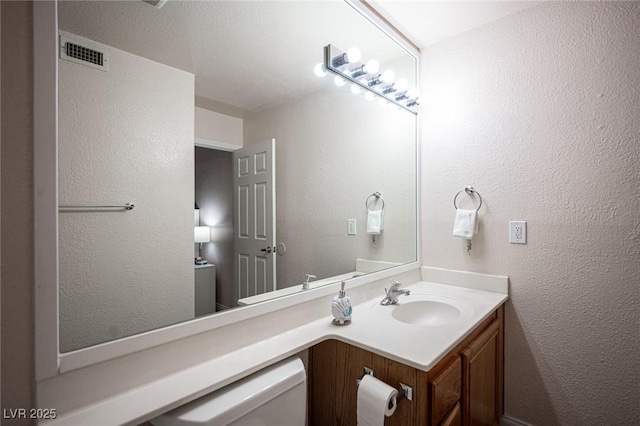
{"type": "Point", "coordinates": [351, 227]}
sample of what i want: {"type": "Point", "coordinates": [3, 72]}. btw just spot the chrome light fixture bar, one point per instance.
{"type": "Point", "coordinates": [337, 62]}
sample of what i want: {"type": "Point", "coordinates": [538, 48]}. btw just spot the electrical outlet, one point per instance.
{"type": "Point", "coordinates": [518, 232]}
{"type": "Point", "coordinates": [351, 227]}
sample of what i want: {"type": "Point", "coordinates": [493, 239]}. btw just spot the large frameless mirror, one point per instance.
{"type": "Point", "coordinates": [205, 166]}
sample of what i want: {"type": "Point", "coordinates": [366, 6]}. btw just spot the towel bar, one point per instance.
{"type": "Point", "coordinates": [127, 206]}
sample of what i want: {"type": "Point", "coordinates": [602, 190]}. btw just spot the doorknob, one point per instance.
{"type": "Point", "coordinates": [268, 249]}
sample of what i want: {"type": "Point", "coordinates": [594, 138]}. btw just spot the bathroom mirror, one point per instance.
{"type": "Point", "coordinates": [126, 135]}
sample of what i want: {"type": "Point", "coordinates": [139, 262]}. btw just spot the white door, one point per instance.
{"type": "Point", "coordinates": [254, 220]}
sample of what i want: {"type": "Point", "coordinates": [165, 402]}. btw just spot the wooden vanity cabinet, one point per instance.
{"type": "Point", "coordinates": [334, 368]}
{"type": "Point", "coordinates": [464, 388]}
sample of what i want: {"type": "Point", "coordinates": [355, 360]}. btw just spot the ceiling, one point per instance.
{"type": "Point", "coordinates": [247, 54]}
{"type": "Point", "coordinates": [429, 22]}
{"type": "Point", "coordinates": [222, 42]}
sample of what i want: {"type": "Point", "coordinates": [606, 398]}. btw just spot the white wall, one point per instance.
{"type": "Point", "coordinates": [333, 150]}
{"type": "Point", "coordinates": [219, 130]}
{"type": "Point", "coordinates": [541, 113]}
{"type": "Point", "coordinates": [125, 136]}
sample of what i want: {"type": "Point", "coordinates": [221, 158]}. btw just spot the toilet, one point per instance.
{"type": "Point", "coordinates": [276, 395]}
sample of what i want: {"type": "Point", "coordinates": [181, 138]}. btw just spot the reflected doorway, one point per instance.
{"type": "Point", "coordinates": [214, 197]}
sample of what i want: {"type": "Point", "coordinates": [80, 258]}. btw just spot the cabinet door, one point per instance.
{"type": "Point", "coordinates": [482, 378]}
{"type": "Point", "coordinates": [453, 419]}
{"type": "Point", "coordinates": [444, 391]}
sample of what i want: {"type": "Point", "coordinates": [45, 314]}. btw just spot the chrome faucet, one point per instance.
{"type": "Point", "coordinates": [393, 293]}
{"type": "Point", "coordinates": [305, 284]}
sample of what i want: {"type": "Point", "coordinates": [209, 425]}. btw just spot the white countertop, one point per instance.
{"type": "Point", "coordinates": [251, 300]}
{"type": "Point", "coordinates": [420, 347]}
{"type": "Point", "coordinates": [372, 329]}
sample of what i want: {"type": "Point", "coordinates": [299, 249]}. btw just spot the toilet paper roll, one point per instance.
{"type": "Point", "coordinates": [376, 399]}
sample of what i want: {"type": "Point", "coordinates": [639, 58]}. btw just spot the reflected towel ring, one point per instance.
{"type": "Point", "coordinates": [470, 191]}
{"type": "Point", "coordinates": [378, 197]}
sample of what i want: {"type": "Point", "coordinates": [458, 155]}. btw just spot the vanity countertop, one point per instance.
{"type": "Point", "coordinates": [372, 328]}
{"type": "Point", "coordinates": [420, 347]}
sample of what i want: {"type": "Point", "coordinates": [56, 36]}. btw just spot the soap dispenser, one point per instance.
{"type": "Point", "coordinates": [341, 308]}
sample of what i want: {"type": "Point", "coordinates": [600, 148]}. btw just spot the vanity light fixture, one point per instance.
{"type": "Point", "coordinates": [351, 56]}
{"type": "Point", "coordinates": [347, 68]}
{"type": "Point", "coordinates": [389, 89]}
{"type": "Point", "coordinates": [401, 96]}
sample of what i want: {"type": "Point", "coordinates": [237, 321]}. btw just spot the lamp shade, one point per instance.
{"type": "Point", "coordinates": [201, 234]}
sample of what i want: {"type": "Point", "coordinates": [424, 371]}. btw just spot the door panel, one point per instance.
{"type": "Point", "coordinates": [254, 219]}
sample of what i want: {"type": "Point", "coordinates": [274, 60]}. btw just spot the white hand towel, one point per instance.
{"type": "Point", "coordinates": [465, 224]}
{"type": "Point", "coordinates": [374, 222]}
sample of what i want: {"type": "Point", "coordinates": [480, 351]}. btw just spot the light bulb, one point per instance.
{"type": "Point", "coordinates": [372, 67]}
{"type": "Point", "coordinates": [401, 85]}
{"type": "Point", "coordinates": [339, 81]}
{"type": "Point", "coordinates": [353, 55]}
{"type": "Point", "coordinates": [388, 76]}
{"type": "Point", "coordinates": [320, 70]}
{"type": "Point", "coordinates": [369, 96]}
{"type": "Point", "coordinates": [355, 89]}
{"type": "Point", "coordinates": [413, 93]}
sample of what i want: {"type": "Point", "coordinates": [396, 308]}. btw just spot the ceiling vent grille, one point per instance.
{"type": "Point", "coordinates": [156, 3]}
{"type": "Point", "coordinates": [75, 51]}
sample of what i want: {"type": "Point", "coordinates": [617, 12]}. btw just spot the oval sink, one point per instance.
{"type": "Point", "coordinates": [426, 313]}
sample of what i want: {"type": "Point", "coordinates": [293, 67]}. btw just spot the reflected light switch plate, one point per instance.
{"type": "Point", "coordinates": [351, 227]}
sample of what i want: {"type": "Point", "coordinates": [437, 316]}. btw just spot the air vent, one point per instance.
{"type": "Point", "coordinates": [81, 53]}
{"type": "Point", "coordinates": [156, 3]}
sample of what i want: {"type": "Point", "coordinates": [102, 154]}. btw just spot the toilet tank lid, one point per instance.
{"type": "Point", "coordinates": [239, 398]}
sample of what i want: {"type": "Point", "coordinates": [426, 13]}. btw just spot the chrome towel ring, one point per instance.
{"type": "Point", "coordinates": [471, 192]}
{"type": "Point", "coordinates": [378, 197]}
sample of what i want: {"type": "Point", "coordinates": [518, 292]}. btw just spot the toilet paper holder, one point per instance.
{"type": "Point", "coordinates": [404, 391]}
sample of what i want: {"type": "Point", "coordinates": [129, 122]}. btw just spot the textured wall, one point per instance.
{"type": "Point", "coordinates": [333, 150]}
{"type": "Point", "coordinates": [541, 113]}
{"type": "Point", "coordinates": [17, 206]}
{"type": "Point", "coordinates": [125, 136]}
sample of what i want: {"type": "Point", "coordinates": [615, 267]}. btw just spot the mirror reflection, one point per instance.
{"type": "Point", "coordinates": [250, 176]}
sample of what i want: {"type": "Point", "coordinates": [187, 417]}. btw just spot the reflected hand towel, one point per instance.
{"type": "Point", "coordinates": [374, 222]}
